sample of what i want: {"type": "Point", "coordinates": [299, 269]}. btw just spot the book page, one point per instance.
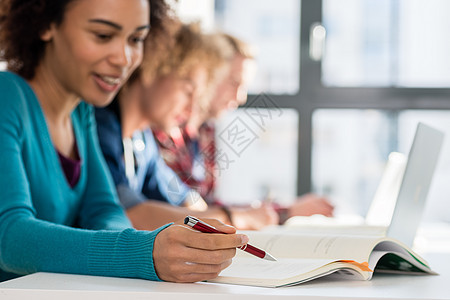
{"type": "Point", "coordinates": [245, 267]}
{"type": "Point", "coordinates": [248, 271]}
{"type": "Point", "coordinates": [328, 228]}
{"type": "Point", "coordinates": [314, 246]}
{"type": "Point", "coordinates": [305, 257]}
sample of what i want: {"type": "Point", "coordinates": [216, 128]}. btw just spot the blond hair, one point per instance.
{"type": "Point", "coordinates": [227, 47]}
{"type": "Point", "coordinates": [239, 47]}
{"type": "Point", "coordinates": [186, 49]}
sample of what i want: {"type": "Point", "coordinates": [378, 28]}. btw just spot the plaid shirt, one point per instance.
{"type": "Point", "coordinates": [192, 159]}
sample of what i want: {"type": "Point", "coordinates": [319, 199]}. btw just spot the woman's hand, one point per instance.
{"type": "Point", "coordinates": [311, 204]}
{"type": "Point", "coordinates": [182, 254]}
{"type": "Point", "coordinates": [250, 218]}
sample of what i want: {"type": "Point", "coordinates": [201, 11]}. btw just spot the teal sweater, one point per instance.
{"type": "Point", "coordinates": [47, 226]}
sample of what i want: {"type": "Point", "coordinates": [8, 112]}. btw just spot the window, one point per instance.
{"type": "Point", "coordinates": [273, 29]}
{"type": "Point", "coordinates": [385, 66]}
{"type": "Point", "coordinates": [257, 158]}
{"type": "Point", "coordinates": [351, 147]}
{"type": "Point", "coordinates": [386, 43]}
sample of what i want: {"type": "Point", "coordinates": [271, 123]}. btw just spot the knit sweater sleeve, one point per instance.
{"type": "Point", "coordinates": [30, 244]}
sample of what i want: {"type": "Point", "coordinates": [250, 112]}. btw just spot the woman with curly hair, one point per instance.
{"type": "Point", "coordinates": [58, 208]}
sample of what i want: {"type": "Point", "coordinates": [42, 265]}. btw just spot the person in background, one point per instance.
{"type": "Point", "coordinates": [161, 96]}
{"type": "Point", "coordinates": [190, 149]}
{"type": "Point", "coordinates": [58, 208]}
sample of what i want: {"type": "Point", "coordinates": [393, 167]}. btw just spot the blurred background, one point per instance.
{"type": "Point", "coordinates": [338, 85]}
{"type": "Point", "coordinates": [346, 82]}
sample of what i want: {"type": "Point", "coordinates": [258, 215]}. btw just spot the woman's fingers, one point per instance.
{"type": "Point", "coordinates": [215, 241]}
{"type": "Point", "coordinates": [191, 268]}
{"type": "Point", "coordinates": [207, 241]}
{"type": "Point", "coordinates": [199, 256]}
{"type": "Point", "coordinates": [219, 225]}
{"type": "Point", "coordinates": [182, 254]}
{"type": "Point", "coordinates": [188, 275]}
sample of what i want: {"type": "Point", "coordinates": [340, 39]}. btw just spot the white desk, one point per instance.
{"type": "Point", "coordinates": [50, 286]}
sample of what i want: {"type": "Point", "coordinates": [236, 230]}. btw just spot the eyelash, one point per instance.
{"type": "Point", "coordinates": [103, 37]}
{"type": "Point", "coordinates": [137, 40]}
{"type": "Point", "coordinates": [108, 37]}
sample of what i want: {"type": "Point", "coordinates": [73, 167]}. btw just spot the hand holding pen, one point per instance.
{"type": "Point", "coordinates": [203, 227]}
{"type": "Point", "coordinates": [181, 254]}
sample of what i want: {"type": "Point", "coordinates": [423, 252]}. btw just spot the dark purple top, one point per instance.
{"type": "Point", "coordinates": [71, 167]}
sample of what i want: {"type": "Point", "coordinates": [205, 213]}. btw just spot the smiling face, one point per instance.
{"type": "Point", "coordinates": [96, 47]}
{"type": "Point", "coordinates": [168, 101]}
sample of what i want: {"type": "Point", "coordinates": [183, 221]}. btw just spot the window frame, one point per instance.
{"type": "Point", "coordinates": [313, 95]}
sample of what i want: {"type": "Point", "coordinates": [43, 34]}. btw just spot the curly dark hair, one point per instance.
{"type": "Point", "coordinates": [22, 23]}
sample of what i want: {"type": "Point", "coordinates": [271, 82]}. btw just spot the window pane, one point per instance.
{"type": "Point", "coordinates": [357, 42]}
{"type": "Point", "coordinates": [275, 32]}
{"type": "Point", "coordinates": [272, 30]}
{"type": "Point", "coordinates": [386, 43]}
{"type": "Point", "coordinates": [257, 155]}
{"type": "Point", "coordinates": [424, 43]}
{"type": "Point", "coordinates": [350, 149]}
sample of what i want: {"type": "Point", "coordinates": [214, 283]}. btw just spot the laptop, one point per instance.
{"type": "Point", "coordinates": [399, 201]}
{"type": "Point", "coordinates": [422, 161]}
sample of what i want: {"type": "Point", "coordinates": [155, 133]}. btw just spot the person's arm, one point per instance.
{"type": "Point", "coordinates": [253, 218]}
{"type": "Point", "coordinates": [161, 182]}
{"type": "Point", "coordinates": [178, 253]}
{"type": "Point", "coordinates": [311, 204]}
{"type": "Point", "coordinates": [144, 213]}
{"type": "Point", "coordinates": [30, 243]}
{"type": "Point", "coordinates": [152, 214]}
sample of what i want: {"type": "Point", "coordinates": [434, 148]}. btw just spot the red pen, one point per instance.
{"type": "Point", "coordinates": [203, 227]}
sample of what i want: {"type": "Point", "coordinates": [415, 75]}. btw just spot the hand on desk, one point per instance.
{"type": "Point", "coordinates": [181, 254]}
{"type": "Point", "coordinates": [250, 218]}
{"type": "Point", "coordinates": [311, 204]}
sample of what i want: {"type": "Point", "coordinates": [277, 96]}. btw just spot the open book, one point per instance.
{"type": "Point", "coordinates": [305, 257]}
